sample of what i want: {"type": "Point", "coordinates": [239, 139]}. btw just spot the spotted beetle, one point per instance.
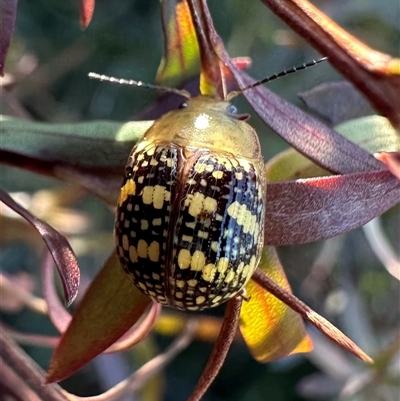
{"type": "Point", "coordinates": [189, 225]}
{"type": "Point", "coordinates": [190, 214]}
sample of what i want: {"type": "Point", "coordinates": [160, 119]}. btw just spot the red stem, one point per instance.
{"type": "Point", "coordinates": [221, 348]}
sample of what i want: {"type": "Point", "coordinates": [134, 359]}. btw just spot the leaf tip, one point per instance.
{"type": "Point", "coordinates": [71, 290]}
{"type": "Point", "coordinates": [393, 66]}
{"type": "Point", "coordinates": [52, 376]}
{"type": "Point", "coordinates": [86, 13]}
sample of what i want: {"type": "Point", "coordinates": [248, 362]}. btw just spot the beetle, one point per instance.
{"type": "Point", "coordinates": [190, 215]}
{"type": "Point", "coordinates": [189, 226]}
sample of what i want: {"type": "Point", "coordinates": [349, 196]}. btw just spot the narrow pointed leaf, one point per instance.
{"type": "Point", "coordinates": [109, 308]}
{"type": "Point", "coordinates": [309, 136]}
{"type": "Point", "coordinates": [59, 316]}
{"type": "Point", "coordinates": [270, 328]}
{"type": "Point", "coordinates": [86, 12]}
{"type": "Point", "coordinates": [89, 154]}
{"type": "Point", "coordinates": [313, 317]}
{"type": "Point", "coordinates": [375, 74]}
{"type": "Point", "coordinates": [214, 76]}
{"type": "Point", "coordinates": [382, 247]}
{"type": "Point", "coordinates": [372, 133]}
{"type": "Point", "coordinates": [95, 144]}
{"type": "Point", "coordinates": [318, 208]}
{"type": "Point", "coordinates": [323, 145]}
{"type": "Point", "coordinates": [58, 246]}
{"type": "Point", "coordinates": [137, 333]}
{"type": "Point", "coordinates": [181, 59]}
{"type": "Point", "coordinates": [8, 12]}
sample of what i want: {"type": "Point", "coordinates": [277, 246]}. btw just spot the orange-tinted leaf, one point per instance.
{"type": "Point", "coordinates": [270, 328]}
{"type": "Point", "coordinates": [327, 328]}
{"type": "Point", "coordinates": [213, 76]}
{"type": "Point", "coordinates": [86, 9]}
{"type": "Point", "coordinates": [109, 308]}
{"type": "Point", "coordinates": [181, 59]}
{"type": "Point", "coordinates": [375, 74]}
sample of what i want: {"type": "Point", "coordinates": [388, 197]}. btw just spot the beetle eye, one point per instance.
{"type": "Point", "coordinates": [183, 105]}
{"type": "Point", "coordinates": [231, 109]}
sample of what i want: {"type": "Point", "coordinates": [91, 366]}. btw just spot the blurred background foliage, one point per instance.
{"type": "Point", "coordinates": [342, 279]}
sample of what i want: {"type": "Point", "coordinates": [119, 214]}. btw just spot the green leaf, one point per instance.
{"type": "Point", "coordinates": [91, 154]}
{"type": "Point", "coordinates": [373, 133]}
{"type": "Point", "coordinates": [96, 144]}
{"type": "Point", "coordinates": [270, 328]}
{"type": "Point", "coordinates": [111, 305]}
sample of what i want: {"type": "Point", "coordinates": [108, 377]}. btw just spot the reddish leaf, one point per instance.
{"type": "Point", "coordinates": [59, 247]}
{"type": "Point", "coordinates": [372, 133]}
{"type": "Point", "coordinates": [137, 333]}
{"type": "Point", "coordinates": [59, 316]}
{"type": "Point", "coordinates": [375, 74]}
{"type": "Point", "coordinates": [111, 305]}
{"type": "Point", "coordinates": [318, 208]}
{"type": "Point", "coordinates": [86, 9]}
{"type": "Point", "coordinates": [8, 12]}
{"type": "Point", "coordinates": [182, 54]}
{"type": "Point", "coordinates": [309, 136]}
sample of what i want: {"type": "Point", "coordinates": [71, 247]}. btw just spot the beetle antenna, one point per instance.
{"type": "Point", "coordinates": [132, 82]}
{"type": "Point", "coordinates": [276, 76]}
